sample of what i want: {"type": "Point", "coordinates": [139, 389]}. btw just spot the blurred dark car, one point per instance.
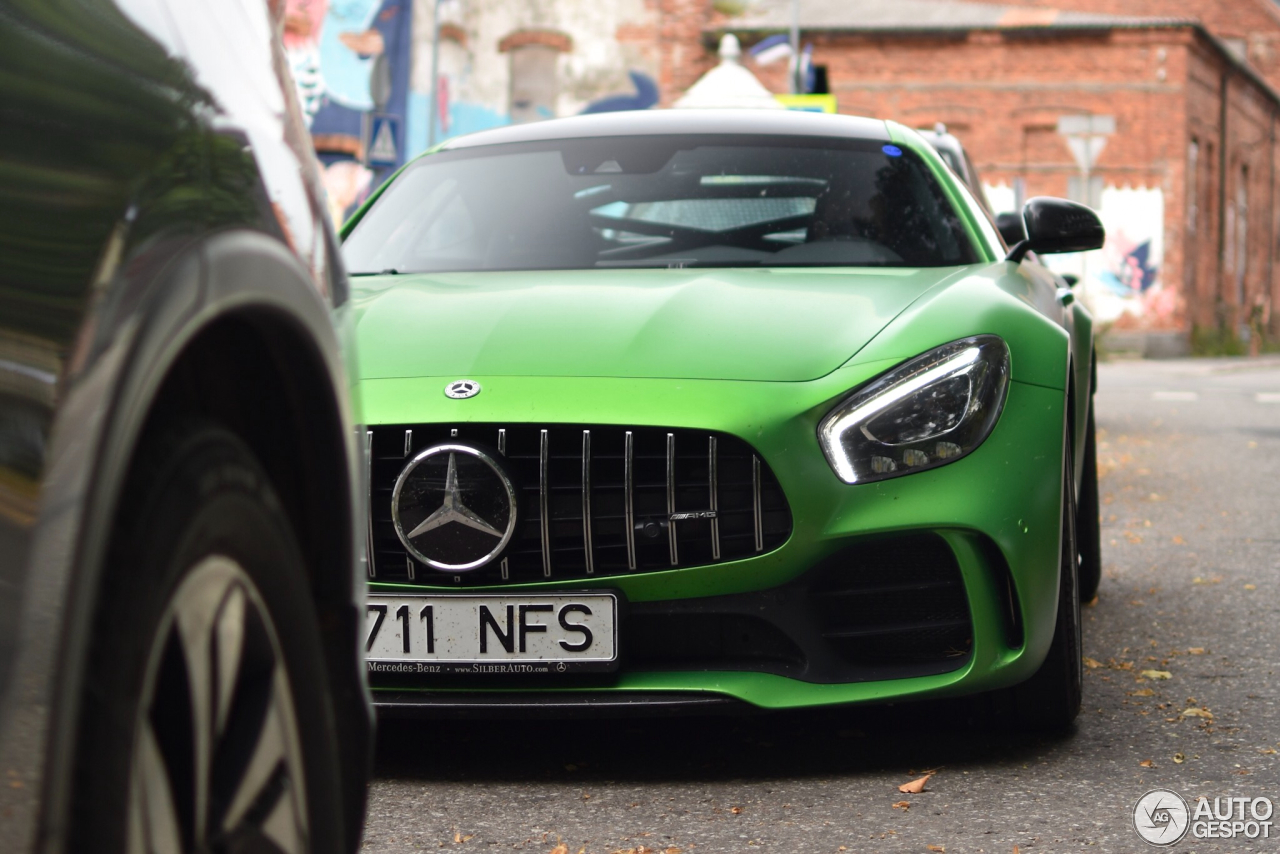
{"type": "Point", "coordinates": [181, 537]}
{"type": "Point", "coordinates": [953, 154]}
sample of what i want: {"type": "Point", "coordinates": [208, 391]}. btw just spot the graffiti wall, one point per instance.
{"type": "Point", "coordinates": [505, 63]}
{"type": "Point", "coordinates": [1121, 282]}
{"type": "Point", "coordinates": [351, 60]}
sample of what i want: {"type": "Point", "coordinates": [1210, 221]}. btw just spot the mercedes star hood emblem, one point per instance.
{"type": "Point", "coordinates": [462, 389]}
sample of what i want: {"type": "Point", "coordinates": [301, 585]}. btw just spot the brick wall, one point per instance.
{"type": "Point", "coordinates": [1001, 93]}
{"type": "Point", "coordinates": [1252, 25]}
{"type": "Point", "coordinates": [1229, 271]}
{"type": "Point", "coordinates": [682, 54]}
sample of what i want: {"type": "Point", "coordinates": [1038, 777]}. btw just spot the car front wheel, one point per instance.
{"type": "Point", "coordinates": [209, 725]}
{"type": "Point", "coordinates": [1088, 523]}
{"type": "Point", "coordinates": [1050, 699]}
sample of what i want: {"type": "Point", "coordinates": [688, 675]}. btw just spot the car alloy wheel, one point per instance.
{"type": "Point", "coordinates": [217, 759]}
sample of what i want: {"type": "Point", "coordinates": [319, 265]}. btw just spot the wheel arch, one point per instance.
{"type": "Point", "coordinates": [234, 331]}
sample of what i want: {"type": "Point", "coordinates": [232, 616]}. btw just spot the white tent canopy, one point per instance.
{"type": "Point", "coordinates": [728, 85]}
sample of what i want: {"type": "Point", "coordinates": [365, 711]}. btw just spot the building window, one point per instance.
{"type": "Point", "coordinates": [1242, 232]}
{"type": "Point", "coordinates": [534, 56]}
{"type": "Point", "coordinates": [1193, 175]}
{"type": "Point", "coordinates": [533, 83]}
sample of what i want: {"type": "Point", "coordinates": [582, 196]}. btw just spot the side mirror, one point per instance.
{"type": "Point", "coordinates": [1057, 225]}
{"type": "Point", "coordinates": [1010, 226]}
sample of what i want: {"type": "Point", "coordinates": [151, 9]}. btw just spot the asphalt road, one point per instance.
{"type": "Point", "coordinates": [1190, 457]}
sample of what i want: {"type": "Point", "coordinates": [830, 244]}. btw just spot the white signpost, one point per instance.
{"type": "Point", "coordinates": [1086, 136]}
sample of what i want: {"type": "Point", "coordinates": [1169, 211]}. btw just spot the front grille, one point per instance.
{"type": "Point", "coordinates": [594, 501]}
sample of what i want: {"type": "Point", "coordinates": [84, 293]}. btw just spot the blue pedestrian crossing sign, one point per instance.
{"type": "Point", "coordinates": [381, 140]}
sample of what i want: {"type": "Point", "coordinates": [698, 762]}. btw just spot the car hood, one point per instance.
{"type": "Point", "coordinates": [730, 324]}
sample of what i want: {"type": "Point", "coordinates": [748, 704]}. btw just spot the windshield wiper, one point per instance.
{"type": "Point", "coordinates": [390, 271]}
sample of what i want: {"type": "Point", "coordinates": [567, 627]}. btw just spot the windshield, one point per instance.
{"type": "Point", "coordinates": [658, 201]}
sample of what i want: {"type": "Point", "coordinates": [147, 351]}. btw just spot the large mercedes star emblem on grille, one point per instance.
{"type": "Point", "coordinates": [454, 507]}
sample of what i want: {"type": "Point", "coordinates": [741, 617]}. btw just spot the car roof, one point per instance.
{"type": "Point", "coordinates": [661, 122]}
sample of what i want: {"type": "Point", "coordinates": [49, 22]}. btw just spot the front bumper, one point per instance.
{"type": "Point", "coordinates": [996, 512]}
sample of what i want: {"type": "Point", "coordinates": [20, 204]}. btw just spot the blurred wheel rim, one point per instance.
{"type": "Point", "coordinates": [217, 758]}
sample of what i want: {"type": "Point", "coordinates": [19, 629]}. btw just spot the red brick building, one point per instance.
{"type": "Point", "coordinates": [1187, 181]}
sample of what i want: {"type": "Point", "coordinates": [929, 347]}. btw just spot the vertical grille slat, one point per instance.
{"type": "Point", "coordinates": [713, 488]}
{"type": "Point", "coordinates": [671, 498]}
{"type": "Point", "coordinates": [544, 500]}
{"type": "Point", "coordinates": [628, 499]}
{"type": "Point", "coordinates": [595, 500]}
{"type": "Point", "coordinates": [370, 557]}
{"type": "Point", "coordinates": [757, 503]}
{"type": "Point", "coordinates": [586, 501]}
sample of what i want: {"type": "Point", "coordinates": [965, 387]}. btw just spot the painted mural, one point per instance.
{"type": "Point", "coordinates": [503, 62]}
{"type": "Point", "coordinates": [350, 58]}
{"type": "Point", "coordinates": [1121, 282]}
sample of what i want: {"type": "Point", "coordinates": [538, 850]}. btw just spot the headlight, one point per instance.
{"type": "Point", "coordinates": [924, 413]}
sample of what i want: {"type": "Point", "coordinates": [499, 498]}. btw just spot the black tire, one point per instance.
{"type": "Point", "coordinates": [1050, 700]}
{"type": "Point", "coordinates": [1088, 520]}
{"type": "Point", "coordinates": [205, 586]}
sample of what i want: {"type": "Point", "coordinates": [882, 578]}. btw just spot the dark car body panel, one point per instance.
{"type": "Point", "coordinates": [157, 191]}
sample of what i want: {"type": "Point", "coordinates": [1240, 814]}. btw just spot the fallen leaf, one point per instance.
{"type": "Point", "coordinates": [1092, 663]}
{"type": "Point", "coordinates": [1196, 650]}
{"type": "Point", "coordinates": [902, 805]}
{"type": "Point", "coordinates": [1092, 602]}
{"type": "Point", "coordinates": [736, 810]}
{"type": "Point", "coordinates": [1178, 759]}
{"type": "Point", "coordinates": [1199, 580]}
{"type": "Point", "coordinates": [1177, 541]}
{"type": "Point", "coordinates": [672, 850]}
{"type": "Point", "coordinates": [1157, 674]}
{"type": "Point", "coordinates": [560, 849]}
{"type": "Point", "coordinates": [1269, 751]}
{"type": "Point", "coordinates": [915, 787]}
{"type": "Point", "coordinates": [1251, 587]}
{"type": "Point", "coordinates": [1146, 763]}
{"type": "Point", "coordinates": [1142, 692]}
{"type": "Point", "coordinates": [939, 848]}
{"type": "Point", "coordinates": [1197, 713]}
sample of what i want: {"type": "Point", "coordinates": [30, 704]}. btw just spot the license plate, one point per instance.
{"type": "Point", "coordinates": [491, 634]}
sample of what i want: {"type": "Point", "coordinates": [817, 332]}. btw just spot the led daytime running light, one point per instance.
{"type": "Point", "coordinates": [857, 455]}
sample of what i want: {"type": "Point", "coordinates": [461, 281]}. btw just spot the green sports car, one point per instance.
{"type": "Point", "coordinates": [682, 409]}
